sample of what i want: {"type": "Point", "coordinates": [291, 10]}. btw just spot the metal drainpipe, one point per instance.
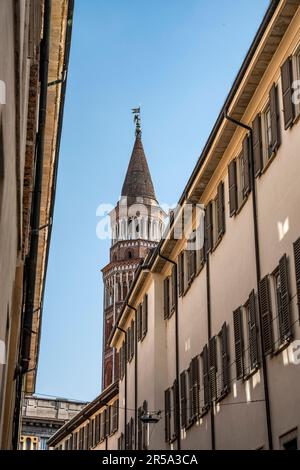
{"type": "Point", "coordinates": [125, 379]}
{"type": "Point", "coordinates": [135, 375]}
{"type": "Point", "coordinates": [258, 273]}
{"type": "Point", "coordinates": [176, 349]}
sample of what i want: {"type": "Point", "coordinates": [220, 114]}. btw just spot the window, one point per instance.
{"type": "Point", "coordinates": [167, 298]}
{"type": "Point", "coordinates": [181, 274]}
{"type": "Point", "coordinates": [122, 354]}
{"type": "Point", "coordinates": [281, 302]}
{"type": "Point", "coordinates": [121, 442]}
{"type": "Point", "coordinates": [239, 179]}
{"type": "Point", "coordinates": [267, 135]}
{"type": "Point", "coordinates": [171, 413]}
{"type": "Point", "coordinates": [296, 76]}
{"type": "Point", "coordinates": [205, 399]}
{"type": "Point", "coordinates": [142, 437]}
{"type": "Point", "coordinates": [246, 338]}
{"type": "Point", "coordinates": [130, 342]}
{"type": "Point", "coordinates": [289, 441]}
{"type": "Point", "coordinates": [223, 363]}
{"type": "Point", "coordinates": [297, 270]}
{"type": "Point", "coordinates": [114, 417]}
{"type": "Point", "coordinates": [129, 444]}
{"type": "Point", "coordinates": [287, 92]}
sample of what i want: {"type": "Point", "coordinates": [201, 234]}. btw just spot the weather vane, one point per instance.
{"type": "Point", "coordinates": [137, 120]}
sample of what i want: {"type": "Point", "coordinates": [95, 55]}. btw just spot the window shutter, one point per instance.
{"type": "Point", "coordinates": [285, 314]}
{"type": "Point", "coordinates": [132, 340]}
{"type": "Point", "coordinates": [225, 359]}
{"type": "Point", "coordinates": [173, 279]}
{"type": "Point", "coordinates": [257, 145]}
{"type": "Point", "coordinates": [144, 441]}
{"type": "Point", "coordinates": [232, 182]}
{"type": "Point", "coordinates": [90, 433]}
{"type": "Point", "coordinates": [205, 366]}
{"type": "Point", "coordinates": [139, 322]}
{"type": "Point", "coordinates": [97, 430]}
{"type": "Point", "coordinates": [121, 442]}
{"type": "Point", "coordinates": [167, 415]}
{"type": "Point", "coordinates": [287, 93]}
{"type": "Point", "coordinates": [213, 367]}
{"type": "Point", "coordinates": [195, 386]}
{"type": "Point", "coordinates": [145, 316]}
{"type": "Point", "coordinates": [140, 429]}
{"type": "Point", "coordinates": [252, 325]}
{"type": "Point", "coordinates": [275, 129]}
{"type": "Point", "coordinates": [131, 434]}
{"type": "Point", "coordinates": [209, 228]}
{"type": "Point", "coordinates": [266, 314]}
{"type": "Point", "coordinates": [107, 421]}
{"type": "Point", "coordinates": [246, 163]}
{"type": "Point", "coordinates": [183, 399]}
{"type": "Point", "coordinates": [166, 298]}
{"type": "Point", "coordinates": [238, 342]}
{"type": "Point", "coordinates": [175, 410]}
{"type": "Point", "coordinates": [297, 270]}
{"type": "Point", "coordinates": [221, 209]}
{"type": "Point", "coordinates": [115, 415]}
{"type": "Point", "coordinates": [181, 273]}
{"type": "Point", "coordinates": [128, 343]}
{"type": "Point", "coordinates": [86, 436]}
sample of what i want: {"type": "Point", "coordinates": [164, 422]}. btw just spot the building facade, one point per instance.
{"type": "Point", "coordinates": [34, 50]}
{"type": "Point", "coordinates": [214, 362]}
{"type": "Point", "coordinates": [42, 417]}
{"type": "Point", "coordinates": [136, 227]}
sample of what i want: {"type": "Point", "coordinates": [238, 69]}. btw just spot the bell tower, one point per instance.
{"type": "Point", "coordinates": [137, 224]}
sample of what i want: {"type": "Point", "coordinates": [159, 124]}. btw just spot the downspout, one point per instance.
{"type": "Point", "coordinates": [258, 274]}
{"type": "Point", "coordinates": [31, 259]}
{"type": "Point", "coordinates": [135, 375]}
{"type": "Point", "coordinates": [125, 385]}
{"type": "Point", "coordinates": [176, 348]}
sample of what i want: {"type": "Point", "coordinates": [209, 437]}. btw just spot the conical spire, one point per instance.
{"type": "Point", "coordinates": [138, 181]}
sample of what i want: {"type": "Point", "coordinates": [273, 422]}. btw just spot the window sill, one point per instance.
{"type": "Point", "coordinates": [217, 243]}
{"type": "Point", "coordinates": [251, 373]}
{"type": "Point", "coordinates": [239, 210]}
{"type": "Point", "coordinates": [268, 162]}
{"type": "Point", "coordinates": [282, 347]}
{"type": "Point", "coordinates": [223, 395]}
{"type": "Point", "coordinates": [204, 411]}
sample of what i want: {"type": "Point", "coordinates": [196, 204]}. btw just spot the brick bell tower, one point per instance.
{"type": "Point", "coordinates": [137, 224]}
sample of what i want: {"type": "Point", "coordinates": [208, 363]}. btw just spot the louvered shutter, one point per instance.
{"type": "Point", "coordinates": [205, 372]}
{"type": "Point", "coordinates": [131, 434]}
{"type": "Point", "coordinates": [195, 387]}
{"type": "Point", "coordinates": [232, 182]}
{"type": "Point", "coordinates": [90, 434]}
{"type": "Point", "coordinates": [140, 429]}
{"type": "Point", "coordinates": [132, 339]}
{"type": "Point", "coordinates": [209, 228]}
{"type": "Point", "coordinates": [257, 145]}
{"type": "Point", "coordinates": [144, 442]}
{"type": "Point", "coordinates": [284, 314]}
{"type": "Point", "coordinates": [297, 270]}
{"type": "Point", "coordinates": [139, 322]}
{"type": "Point", "coordinates": [183, 399]}
{"type": "Point", "coordinates": [128, 343]}
{"type": "Point", "coordinates": [274, 111]}
{"type": "Point", "coordinates": [246, 164]}
{"type": "Point", "coordinates": [145, 316]}
{"type": "Point", "coordinates": [107, 421]}
{"type": "Point", "coordinates": [221, 209]}
{"type": "Point", "coordinates": [115, 411]}
{"type": "Point", "coordinates": [175, 410]}
{"type": "Point", "coordinates": [167, 415]}
{"type": "Point", "coordinates": [287, 92]}
{"type": "Point", "coordinates": [86, 437]}
{"type": "Point", "coordinates": [213, 367]}
{"type": "Point", "coordinates": [97, 430]}
{"type": "Point", "coordinates": [173, 288]}
{"type": "Point", "coordinates": [166, 298]}
{"type": "Point", "coordinates": [238, 342]}
{"type": "Point", "coordinates": [225, 361]}
{"type": "Point", "coordinates": [181, 273]}
{"type": "Point", "coordinates": [266, 314]}
{"type": "Point", "coordinates": [127, 436]}
{"type": "Point", "coordinates": [253, 337]}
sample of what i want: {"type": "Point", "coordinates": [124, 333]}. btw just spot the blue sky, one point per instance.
{"type": "Point", "coordinates": [178, 60]}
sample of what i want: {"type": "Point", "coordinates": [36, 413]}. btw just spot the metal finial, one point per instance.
{"type": "Point", "coordinates": [137, 120]}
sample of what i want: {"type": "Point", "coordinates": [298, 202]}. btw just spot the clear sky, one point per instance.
{"type": "Point", "coordinates": [178, 60]}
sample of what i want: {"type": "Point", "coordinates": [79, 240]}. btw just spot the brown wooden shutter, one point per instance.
{"type": "Point", "coordinates": [297, 270]}
{"type": "Point", "coordinates": [252, 326]}
{"type": "Point", "coordinates": [166, 298]}
{"type": "Point", "coordinates": [144, 440]}
{"type": "Point", "coordinates": [209, 228]}
{"type": "Point", "coordinates": [266, 314]}
{"type": "Point", "coordinates": [173, 288]}
{"type": "Point", "coordinates": [175, 410]}
{"type": "Point", "coordinates": [97, 430]}
{"type": "Point", "coordinates": [287, 92]}
{"type": "Point", "coordinates": [246, 164]}
{"type": "Point", "coordinates": [221, 209]}
{"type": "Point", "coordinates": [257, 145]}
{"type": "Point", "coordinates": [238, 342]}
{"type": "Point", "coordinates": [128, 343]}
{"type": "Point", "coordinates": [274, 111]}
{"type": "Point", "coordinates": [225, 359]}
{"type": "Point", "coordinates": [132, 340]}
{"type": "Point", "coordinates": [140, 429]}
{"type": "Point", "coordinates": [145, 316]}
{"type": "Point", "coordinates": [167, 415]}
{"type": "Point", "coordinates": [90, 425]}
{"type": "Point", "coordinates": [195, 387]}
{"type": "Point", "coordinates": [139, 322]}
{"type": "Point", "coordinates": [285, 327]}
{"type": "Point", "coordinates": [205, 377]}
{"type": "Point", "coordinates": [181, 274]}
{"type": "Point", "coordinates": [232, 182]}
{"type": "Point", "coordinates": [183, 399]}
{"type": "Point", "coordinates": [213, 367]}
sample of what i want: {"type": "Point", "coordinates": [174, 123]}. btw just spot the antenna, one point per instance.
{"type": "Point", "coordinates": [137, 120]}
